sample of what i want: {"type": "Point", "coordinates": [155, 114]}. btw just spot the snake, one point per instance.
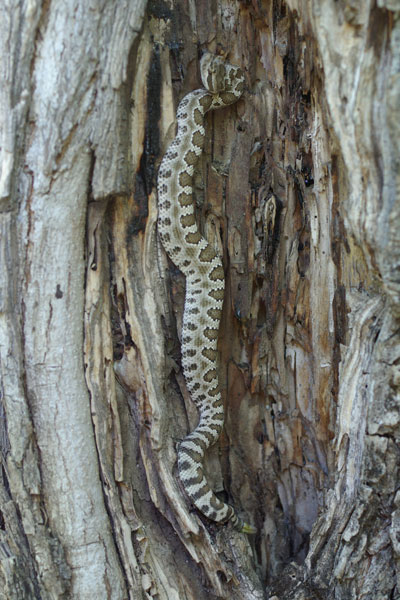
{"type": "Point", "coordinates": [204, 273]}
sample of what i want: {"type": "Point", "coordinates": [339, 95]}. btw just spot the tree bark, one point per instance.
{"type": "Point", "coordinates": [298, 187]}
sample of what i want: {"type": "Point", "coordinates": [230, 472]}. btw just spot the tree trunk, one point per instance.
{"type": "Point", "coordinates": [299, 188]}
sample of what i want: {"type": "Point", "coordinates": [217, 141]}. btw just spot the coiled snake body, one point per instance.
{"type": "Point", "coordinates": [204, 273]}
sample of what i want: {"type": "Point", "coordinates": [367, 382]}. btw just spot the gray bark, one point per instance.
{"type": "Point", "coordinates": [299, 188]}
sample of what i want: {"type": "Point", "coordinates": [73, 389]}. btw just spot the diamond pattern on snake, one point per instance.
{"type": "Point", "coordinates": [202, 267]}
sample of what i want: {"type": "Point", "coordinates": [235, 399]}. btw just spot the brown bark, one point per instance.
{"type": "Point", "coordinates": [299, 188]}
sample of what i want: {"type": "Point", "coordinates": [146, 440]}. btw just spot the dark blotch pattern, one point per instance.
{"type": "Point", "coordinates": [185, 179]}
{"type": "Point", "coordinates": [211, 334]}
{"type": "Point", "coordinates": [185, 199]}
{"type": "Point", "coordinates": [209, 353]}
{"type": "Point", "coordinates": [217, 273]}
{"type": "Point", "coordinates": [193, 238]}
{"type": "Point", "coordinates": [207, 254]}
{"type": "Point", "coordinates": [190, 157]}
{"type": "Point", "coordinates": [187, 220]}
{"type": "Point", "coordinates": [216, 294]}
{"type": "Point", "coordinates": [210, 375]}
{"type": "Point", "coordinates": [198, 139]}
{"type": "Point", "coordinates": [214, 313]}
{"type": "Point", "coordinates": [204, 276]}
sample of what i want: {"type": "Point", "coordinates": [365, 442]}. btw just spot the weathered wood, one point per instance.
{"type": "Point", "coordinates": [299, 189]}
{"type": "Point", "coordinates": [59, 74]}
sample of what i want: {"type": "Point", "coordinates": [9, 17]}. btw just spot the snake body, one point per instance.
{"type": "Point", "coordinates": [199, 262]}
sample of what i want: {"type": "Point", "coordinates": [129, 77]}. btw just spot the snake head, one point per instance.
{"type": "Point", "coordinates": [212, 71]}
{"type": "Point", "coordinates": [223, 80]}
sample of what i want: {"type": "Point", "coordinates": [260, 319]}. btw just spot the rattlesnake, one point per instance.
{"type": "Point", "coordinates": [203, 269]}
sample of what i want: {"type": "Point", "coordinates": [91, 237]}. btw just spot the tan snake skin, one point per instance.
{"type": "Point", "coordinates": [204, 273]}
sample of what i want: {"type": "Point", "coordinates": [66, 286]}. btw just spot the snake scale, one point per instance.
{"type": "Point", "coordinates": [203, 269]}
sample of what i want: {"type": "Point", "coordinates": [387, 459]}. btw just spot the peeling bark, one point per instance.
{"type": "Point", "coordinates": [298, 188]}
